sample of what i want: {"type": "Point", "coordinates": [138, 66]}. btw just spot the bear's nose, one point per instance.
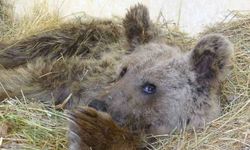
{"type": "Point", "coordinates": [98, 105]}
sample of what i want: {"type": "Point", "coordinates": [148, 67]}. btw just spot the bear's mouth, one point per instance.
{"type": "Point", "coordinates": [128, 121]}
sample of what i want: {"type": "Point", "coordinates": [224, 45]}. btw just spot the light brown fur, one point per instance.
{"type": "Point", "coordinates": [158, 88]}
{"type": "Point", "coordinates": [88, 39]}
{"type": "Point", "coordinates": [91, 129]}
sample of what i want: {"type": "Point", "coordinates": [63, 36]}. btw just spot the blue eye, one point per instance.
{"type": "Point", "coordinates": [149, 88]}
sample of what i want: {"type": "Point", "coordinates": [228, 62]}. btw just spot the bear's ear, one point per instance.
{"type": "Point", "coordinates": [137, 26]}
{"type": "Point", "coordinates": [211, 57]}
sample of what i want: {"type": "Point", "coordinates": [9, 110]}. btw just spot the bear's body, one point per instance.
{"type": "Point", "coordinates": [88, 39]}
{"type": "Point", "coordinates": [62, 64]}
{"type": "Point", "coordinates": [158, 88]}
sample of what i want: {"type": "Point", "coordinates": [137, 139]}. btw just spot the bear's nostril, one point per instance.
{"type": "Point", "coordinates": [98, 105]}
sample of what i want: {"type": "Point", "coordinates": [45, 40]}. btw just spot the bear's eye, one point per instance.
{"type": "Point", "coordinates": [123, 72]}
{"type": "Point", "coordinates": [148, 88]}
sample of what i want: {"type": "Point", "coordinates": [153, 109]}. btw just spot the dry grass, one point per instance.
{"type": "Point", "coordinates": [29, 125]}
{"type": "Point", "coordinates": [38, 20]}
{"type": "Point", "coordinates": [6, 15]}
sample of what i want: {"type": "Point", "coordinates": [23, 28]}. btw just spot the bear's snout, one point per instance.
{"type": "Point", "coordinates": [98, 105]}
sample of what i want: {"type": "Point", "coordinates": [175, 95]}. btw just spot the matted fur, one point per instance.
{"type": "Point", "coordinates": [186, 95]}
{"type": "Point", "coordinates": [107, 136]}
{"type": "Point", "coordinates": [72, 39]}
{"type": "Point", "coordinates": [138, 26]}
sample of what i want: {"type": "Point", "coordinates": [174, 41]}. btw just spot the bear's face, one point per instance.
{"type": "Point", "coordinates": [159, 89]}
{"type": "Point", "coordinates": [154, 86]}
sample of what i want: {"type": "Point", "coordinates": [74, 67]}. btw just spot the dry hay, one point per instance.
{"type": "Point", "coordinates": [6, 11]}
{"type": "Point", "coordinates": [29, 125]}
{"type": "Point", "coordinates": [39, 19]}
{"type": "Point", "coordinates": [6, 15]}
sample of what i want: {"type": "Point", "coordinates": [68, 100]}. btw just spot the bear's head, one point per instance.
{"type": "Point", "coordinates": [159, 88]}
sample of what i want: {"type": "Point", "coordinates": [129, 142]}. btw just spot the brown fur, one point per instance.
{"type": "Point", "coordinates": [73, 39]}
{"type": "Point", "coordinates": [187, 92]}
{"type": "Point", "coordinates": [184, 87]}
{"type": "Point", "coordinates": [138, 27]}
{"type": "Point", "coordinates": [187, 86]}
{"type": "Point", "coordinates": [54, 81]}
{"type": "Point", "coordinates": [96, 130]}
